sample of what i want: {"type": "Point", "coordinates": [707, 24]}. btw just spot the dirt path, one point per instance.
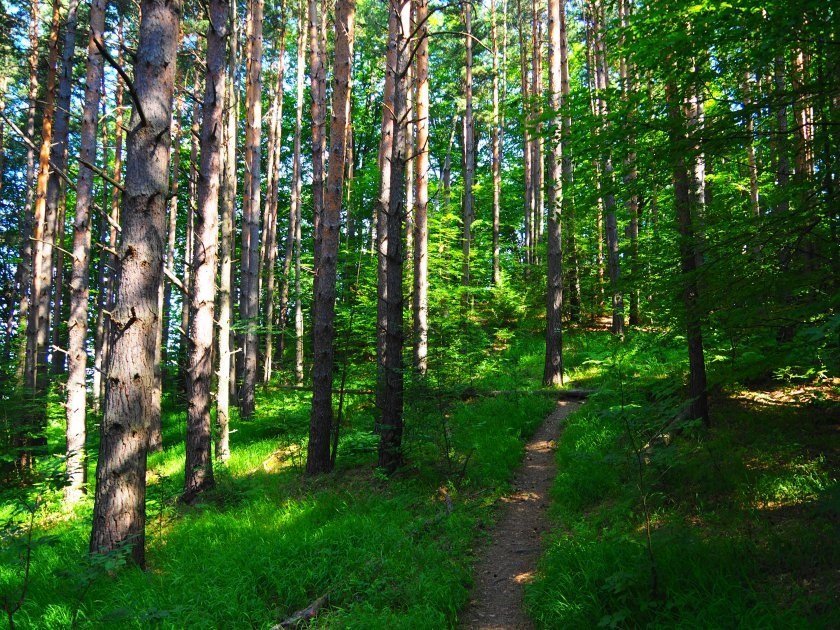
{"type": "Point", "coordinates": [509, 560]}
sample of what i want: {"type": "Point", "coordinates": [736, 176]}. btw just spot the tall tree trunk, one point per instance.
{"type": "Point", "coordinates": [568, 206]}
{"type": "Point", "coordinates": [199, 463]}
{"type": "Point", "coordinates": [270, 221]}
{"type": "Point", "coordinates": [391, 422]}
{"type": "Point", "coordinates": [527, 141]}
{"type": "Point", "coordinates": [468, 212]}
{"type": "Point", "coordinates": [608, 185]}
{"type": "Point", "coordinates": [294, 238]}
{"type": "Point", "coordinates": [385, 154]}
{"type": "Point", "coordinates": [752, 164]}
{"type": "Point", "coordinates": [77, 325]}
{"type": "Point", "coordinates": [497, 154]}
{"type": "Point", "coordinates": [227, 204]}
{"type": "Point", "coordinates": [323, 329]}
{"type": "Point", "coordinates": [43, 236]}
{"type": "Point", "coordinates": [58, 159]}
{"type": "Point", "coordinates": [630, 175]}
{"type": "Point", "coordinates": [132, 402]}
{"type": "Point", "coordinates": [553, 370]}
{"type": "Point", "coordinates": [537, 170]}
{"type": "Point", "coordinates": [23, 274]}
{"type": "Point", "coordinates": [681, 146]}
{"type": "Point", "coordinates": [421, 203]}
{"type": "Point", "coordinates": [109, 223]}
{"type": "Point", "coordinates": [249, 293]}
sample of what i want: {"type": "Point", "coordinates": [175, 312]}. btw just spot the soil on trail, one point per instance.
{"type": "Point", "coordinates": [508, 562]}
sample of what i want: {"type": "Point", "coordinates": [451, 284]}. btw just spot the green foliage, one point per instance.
{"type": "Point", "coordinates": [738, 515]}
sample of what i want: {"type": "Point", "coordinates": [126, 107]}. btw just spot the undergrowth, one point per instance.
{"type": "Point", "coordinates": [663, 524]}
{"type": "Point", "coordinates": [268, 541]}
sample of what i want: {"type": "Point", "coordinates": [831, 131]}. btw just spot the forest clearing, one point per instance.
{"type": "Point", "coordinates": [411, 314]}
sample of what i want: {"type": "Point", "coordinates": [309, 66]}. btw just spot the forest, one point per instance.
{"type": "Point", "coordinates": [419, 313]}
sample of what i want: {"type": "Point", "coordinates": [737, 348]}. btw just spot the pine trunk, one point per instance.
{"type": "Point", "coordinates": [553, 370]}
{"type": "Point", "coordinates": [421, 203]}
{"type": "Point", "coordinates": [199, 462]}
{"type": "Point", "coordinates": [77, 325]}
{"type": "Point", "coordinates": [249, 292]}
{"type": "Point", "coordinates": [132, 404]}
{"type": "Point", "coordinates": [391, 422]}
{"type": "Point", "coordinates": [318, 458]}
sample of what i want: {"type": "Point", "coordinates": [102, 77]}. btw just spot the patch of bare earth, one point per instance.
{"type": "Point", "coordinates": [508, 562]}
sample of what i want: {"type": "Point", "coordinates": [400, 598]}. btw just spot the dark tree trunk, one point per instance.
{"type": "Point", "coordinates": [318, 458]}
{"type": "Point", "coordinates": [680, 144]}
{"type": "Point", "coordinates": [391, 422]}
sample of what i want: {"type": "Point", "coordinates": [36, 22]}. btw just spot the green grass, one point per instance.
{"type": "Point", "coordinates": [267, 541]}
{"type": "Point", "coordinates": [744, 518]}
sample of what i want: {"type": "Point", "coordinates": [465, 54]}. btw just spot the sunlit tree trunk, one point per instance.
{"type": "Point", "coordinates": [227, 198]}
{"type": "Point", "coordinates": [553, 369]}
{"type": "Point", "coordinates": [385, 150]}
{"type": "Point", "coordinates": [55, 185]}
{"type": "Point", "coordinates": [199, 463]}
{"type": "Point", "coordinates": [294, 237]}
{"type": "Point", "coordinates": [527, 151]}
{"type": "Point", "coordinates": [608, 185]}
{"type": "Point", "coordinates": [568, 206]}
{"type": "Point", "coordinates": [752, 163]}
{"type": "Point", "coordinates": [249, 291]}
{"type": "Point", "coordinates": [537, 170]}
{"type": "Point", "coordinates": [270, 220]}
{"type": "Point", "coordinates": [23, 274]}
{"type": "Point", "coordinates": [468, 211]}
{"type": "Point", "coordinates": [43, 235]}
{"type": "Point", "coordinates": [77, 324]}
{"type": "Point", "coordinates": [132, 402]}
{"type": "Point", "coordinates": [421, 230]}
{"type": "Point", "coordinates": [318, 458]}
{"type": "Point", "coordinates": [496, 148]}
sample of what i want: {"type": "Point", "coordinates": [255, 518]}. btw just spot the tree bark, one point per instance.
{"type": "Point", "coordinates": [527, 151]}
{"type": "Point", "coordinates": [391, 422]}
{"type": "Point", "coordinates": [468, 211]}
{"type": "Point", "coordinates": [385, 154]}
{"type": "Point", "coordinates": [199, 463]}
{"type": "Point", "coordinates": [249, 292]}
{"type": "Point", "coordinates": [227, 210]}
{"type": "Point", "coordinates": [323, 329]}
{"type": "Point", "coordinates": [270, 221]}
{"type": "Point", "coordinates": [43, 235]}
{"type": "Point", "coordinates": [108, 223]}
{"type": "Point", "coordinates": [77, 324]}
{"type": "Point", "coordinates": [421, 203]}
{"type": "Point", "coordinates": [132, 403]}
{"type": "Point", "coordinates": [568, 205]}
{"type": "Point", "coordinates": [58, 159]}
{"type": "Point", "coordinates": [608, 185]}
{"type": "Point", "coordinates": [294, 242]}
{"type": "Point", "coordinates": [23, 274]}
{"type": "Point", "coordinates": [497, 155]}
{"type": "Point", "coordinates": [680, 143]}
{"type": "Point", "coordinates": [553, 370]}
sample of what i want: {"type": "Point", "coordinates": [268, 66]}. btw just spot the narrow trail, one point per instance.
{"type": "Point", "coordinates": [508, 562]}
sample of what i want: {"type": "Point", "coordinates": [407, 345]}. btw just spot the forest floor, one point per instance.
{"type": "Point", "coordinates": [733, 526]}
{"type": "Point", "coordinates": [508, 562]}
